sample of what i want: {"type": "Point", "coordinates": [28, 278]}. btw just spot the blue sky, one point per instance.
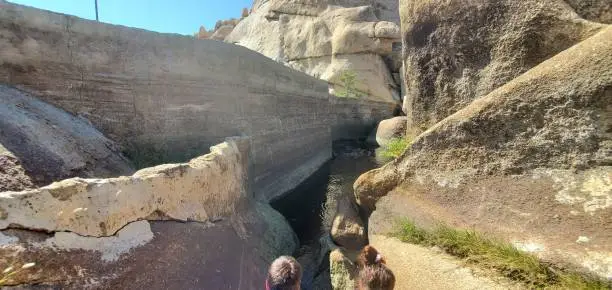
{"type": "Point", "coordinates": [174, 16]}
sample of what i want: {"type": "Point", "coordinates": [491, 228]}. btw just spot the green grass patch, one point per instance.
{"type": "Point", "coordinates": [489, 253]}
{"type": "Point", "coordinates": [393, 149]}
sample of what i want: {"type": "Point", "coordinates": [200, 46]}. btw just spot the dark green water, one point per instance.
{"type": "Point", "coordinates": [305, 206]}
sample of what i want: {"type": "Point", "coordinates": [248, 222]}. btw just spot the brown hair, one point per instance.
{"type": "Point", "coordinates": [376, 277]}
{"type": "Point", "coordinates": [369, 256]}
{"type": "Point", "coordinates": [285, 273]}
{"type": "Point", "coordinates": [373, 273]}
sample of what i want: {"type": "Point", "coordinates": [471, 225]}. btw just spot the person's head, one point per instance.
{"type": "Point", "coordinates": [285, 273]}
{"type": "Point", "coordinates": [375, 277]}
{"type": "Point", "coordinates": [369, 256]}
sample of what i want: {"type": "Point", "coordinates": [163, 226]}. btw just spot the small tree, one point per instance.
{"type": "Point", "coordinates": [347, 78]}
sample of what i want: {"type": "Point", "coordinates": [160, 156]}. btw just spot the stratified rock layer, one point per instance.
{"type": "Point", "coordinates": [51, 144]}
{"type": "Point", "coordinates": [167, 98]}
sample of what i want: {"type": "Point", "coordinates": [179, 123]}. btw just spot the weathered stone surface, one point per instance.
{"type": "Point", "coordinates": [222, 32]}
{"type": "Point", "coordinates": [204, 189]}
{"type": "Point", "coordinates": [51, 144]}
{"type": "Point", "coordinates": [12, 174]}
{"type": "Point", "coordinates": [326, 38]}
{"type": "Point", "coordinates": [190, 225]}
{"type": "Point", "coordinates": [594, 10]}
{"type": "Point", "coordinates": [363, 65]}
{"type": "Point", "coordinates": [389, 129]}
{"type": "Point", "coordinates": [348, 229]}
{"type": "Point", "coordinates": [373, 185]}
{"type": "Point", "coordinates": [232, 253]}
{"type": "Point", "coordinates": [529, 162]}
{"type": "Point", "coordinates": [167, 98]}
{"type": "Point", "coordinates": [342, 271]}
{"type": "Point", "coordinates": [456, 51]}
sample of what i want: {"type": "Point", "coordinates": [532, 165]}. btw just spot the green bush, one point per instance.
{"type": "Point", "coordinates": [392, 150]}
{"type": "Point", "coordinates": [348, 80]}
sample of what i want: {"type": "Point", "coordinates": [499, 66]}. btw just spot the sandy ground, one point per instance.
{"type": "Point", "coordinates": [417, 267]}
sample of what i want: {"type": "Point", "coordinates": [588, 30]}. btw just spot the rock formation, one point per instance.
{"type": "Point", "coordinates": [531, 160]}
{"type": "Point", "coordinates": [348, 229]}
{"type": "Point", "coordinates": [100, 207]}
{"type": "Point", "coordinates": [51, 144]}
{"type": "Point", "coordinates": [388, 130]}
{"type": "Point", "coordinates": [168, 98]}
{"type": "Point", "coordinates": [594, 10]}
{"type": "Point", "coordinates": [221, 30]}
{"type": "Point", "coordinates": [456, 51]}
{"type": "Point", "coordinates": [342, 270]}
{"type": "Point", "coordinates": [189, 225]}
{"type": "Point", "coordinates": [327, 39]}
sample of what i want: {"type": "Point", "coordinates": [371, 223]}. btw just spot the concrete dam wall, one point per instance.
{"type": "Point", "coordinates": [167, 98]}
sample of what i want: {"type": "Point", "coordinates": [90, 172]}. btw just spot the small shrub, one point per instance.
{"type": "Point", "coordinates": [392, 150]}
{"type": "Point", "coordinates": [348, 79]}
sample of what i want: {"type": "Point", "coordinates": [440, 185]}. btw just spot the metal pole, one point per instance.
{"type": "Point", "coordinates": [97, 19]}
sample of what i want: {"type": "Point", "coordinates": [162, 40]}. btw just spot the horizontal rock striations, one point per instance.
{"type": "Point", "coordinates": [51, 144]}
{"type": "Point", "coordinates": [167, 98]}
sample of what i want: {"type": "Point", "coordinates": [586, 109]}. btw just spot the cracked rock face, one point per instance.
{"type": "Point", "coordinates": [327, 38]}
{"type": "Point", "coordinates": [232, 253]}
{"type": "Point", "coordinates": [457, 51]}
{"type": "Point", "coordinates": [528, 162]}
{"type": "Point", "coordinates": [188, 226]}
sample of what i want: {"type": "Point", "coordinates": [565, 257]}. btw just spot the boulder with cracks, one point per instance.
{"type": "Point", "coordinates": [529, 162]}
{"type": "Point", "coordinates": [327, 39]}
{"type": "Point", "coordinates": [159, 226]}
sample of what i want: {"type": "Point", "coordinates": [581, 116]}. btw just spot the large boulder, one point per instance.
{"type": "Point", "coordinates": [327, 39]}
{"type": "Point", "coordinates": [52, 144]}
{"type": "Point", "coordinates": [348, 230]}
{"type": "Point", "coordinates": [529, 162]}
{"type": "Point", "coordinates": [456, 51]}
{"type": "Point", "coordinates": [390, 129]}
{"type": "Point", "coordinates": [374, 184]}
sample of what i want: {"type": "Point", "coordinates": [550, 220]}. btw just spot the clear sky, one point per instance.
{"type": "Point", "coordinates": [175, 16]}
